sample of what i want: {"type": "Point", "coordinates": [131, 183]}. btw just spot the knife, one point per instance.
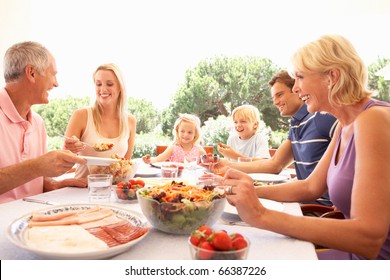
{"type": "Point", "coordinates": [27, 199]}
{"type": "Point", "coordinates": [155, 166]}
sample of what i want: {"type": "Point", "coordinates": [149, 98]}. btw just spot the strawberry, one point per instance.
{"type": "Point", "coordinates": [239, 243]}
{"type": "Point", "coordinates": [200, 235]}
{"type": "Point", "coordinates": [139, 182]}
{"type": "Point", "coordinates": [206, 230]}
{"type": "Point", "coordinates": [207, 251]}
{"type": "Point", "coordinates": [221, 241]}
{"type": "Point", "coordinates": [236, 235]}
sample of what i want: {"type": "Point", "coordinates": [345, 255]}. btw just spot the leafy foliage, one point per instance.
{"type": "Point", "coordinates": [211, 90]}
{"type": "Point", "coordinates": [216, 86]}
{"type": "Point", "coordinates": [378, 83]}
{"type": "Point", "coordinates": [57, 113]}
{"type": "Point", "coordinates": [216, 130]}
{"type": "Point", "coordinates": [147, 116]}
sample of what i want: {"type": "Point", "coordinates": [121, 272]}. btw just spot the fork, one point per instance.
{"type": "Point", "coordinates": [27, 199]}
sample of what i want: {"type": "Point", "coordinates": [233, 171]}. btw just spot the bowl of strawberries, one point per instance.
{"type": "Point", "coordinates": [126, 191]}
{"type": "Point", "coordinates": [207, 244]}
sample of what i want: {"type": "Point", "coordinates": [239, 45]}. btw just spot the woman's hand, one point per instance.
{"type": "Point", "coordinates": [73, 144]}
{"type": "Point", "coordinates": [243, 196]}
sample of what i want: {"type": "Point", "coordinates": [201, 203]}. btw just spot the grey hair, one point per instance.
{"type": "Point", "coordinates": [18, 56]}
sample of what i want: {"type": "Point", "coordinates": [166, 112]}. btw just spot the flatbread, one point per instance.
{"type": "Point", "coordinates": [63, 239]}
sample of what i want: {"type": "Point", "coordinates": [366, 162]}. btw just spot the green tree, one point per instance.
{"type": "Point", "coordinates": [378, 83]}
{"type": "Point", "coordinates": [218, 85]}
{"type": "Point", "coordinates": [57, 113]}
{"type": "Point", "coordinates": [147, 116]}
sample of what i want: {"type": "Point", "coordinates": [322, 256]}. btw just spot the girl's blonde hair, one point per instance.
{"type": "Point", "coordinates": [190, 119]}
{"type": "Point", "coordinates": [121, 106]}
{"type": "Point", "coordinates": [334, 51]}
{"type": "Point", "coordinates": [248, 112]}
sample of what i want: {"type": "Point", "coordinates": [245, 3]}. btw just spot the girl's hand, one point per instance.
{"type": "Point", "coordinates": [146, 159]}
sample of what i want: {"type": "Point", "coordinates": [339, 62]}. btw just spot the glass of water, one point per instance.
{"type": "Point", "coordinates": [99, 188]}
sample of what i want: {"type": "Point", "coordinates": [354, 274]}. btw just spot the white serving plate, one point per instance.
{"type": "Point", "coordinates": [17, 230]}
{"type": "Point", "coordinates": [102, 161]}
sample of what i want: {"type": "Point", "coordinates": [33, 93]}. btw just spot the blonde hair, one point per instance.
{"type": "Point", "coordinates": [248, 112]}
{"type": "Point", "coordinates": [335, 51]}
{"type": "Point", "coordinates": [121, 106]}
{"type": "Point", "coordinates": [190, 119]}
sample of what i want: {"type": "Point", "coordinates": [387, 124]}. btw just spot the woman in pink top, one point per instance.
{"type": "Point", "coordinates": [187, 135]}
{"type": "Point", "coordinates": [330, 76]}
{"type": "Point", "coordinates": [107, 121]}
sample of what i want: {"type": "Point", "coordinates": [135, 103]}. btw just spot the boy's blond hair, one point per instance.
{"type": "Point", "coordinates": [248, 112]}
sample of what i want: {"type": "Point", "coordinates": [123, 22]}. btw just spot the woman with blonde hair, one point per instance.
{"type": "Point", "coordinates": [107, 121]}
{"type": "Point", "coordinates": [330, 76]}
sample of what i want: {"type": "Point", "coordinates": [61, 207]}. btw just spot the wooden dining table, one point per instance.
{"type": "Point", "coordinates": [157, 245]}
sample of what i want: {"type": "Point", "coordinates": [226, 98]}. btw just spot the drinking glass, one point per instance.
{"type": "Point", "coordinates": [99, 188]}
{"type": "Point", "coordinates": [169, 170]}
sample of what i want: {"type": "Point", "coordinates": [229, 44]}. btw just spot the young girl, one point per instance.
{"type": "Point", "coordinates": [187, 135]}
{"type": "Point", "coordinates": [247, 141]}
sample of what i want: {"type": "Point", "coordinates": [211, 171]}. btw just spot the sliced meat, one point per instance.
{"type": "Point", "coordinates": [104, 236]}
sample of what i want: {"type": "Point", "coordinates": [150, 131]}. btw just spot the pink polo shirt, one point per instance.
{"type": "Point", "coordinates": [20, 140]}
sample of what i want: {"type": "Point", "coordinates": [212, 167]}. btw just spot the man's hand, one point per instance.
{"type": "Point", "coordinates": [56, 163]}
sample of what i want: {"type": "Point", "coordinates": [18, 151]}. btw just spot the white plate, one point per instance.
{"type": "Point", "coordinates": [99, 160]}
{"type": "Point", "coordinates": [266, 177]}
{"type": "Point", "coordinates": [147, 171]}
{"type": "Point", "coordinates": [270, 204]}
{"type": "Point", "coordinates": [17, 230]}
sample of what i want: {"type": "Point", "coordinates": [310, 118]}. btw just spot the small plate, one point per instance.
{"type": "Point", "coordinates": [267, 177]}
{"type": "Point", "coordinates": [269, 204]}
{"type": "Point", "coordinates": [100, 160]}
{"type": "Point", "coordinates": [17, 231]}
{"type": "Point", "coordinates": [147, 172]}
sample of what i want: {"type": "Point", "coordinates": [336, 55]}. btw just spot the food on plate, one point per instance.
{"type": "Point", "coordinates": [95, 228]}
{"type": "Point", "coordinates": [206, 244]}
{"type": "Point", "coordinates": [64, 239]}
{"type": "Point", "coordinates": [122, 170]}
{"type": "Point", "coordinates": [209, 158]}
{"type": "Point", "coordinates": [179, 208]}
{"type": "Point", "coordinates": [126, 190]}
{"type": "Point", "coordinates": [102, 147]}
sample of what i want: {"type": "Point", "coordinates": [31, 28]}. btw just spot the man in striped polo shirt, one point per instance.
{"type": "Point", "coordinates": [308, 137]}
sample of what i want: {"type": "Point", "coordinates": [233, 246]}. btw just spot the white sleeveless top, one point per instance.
{"type": "Point", "coordinates": [91, 136]}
